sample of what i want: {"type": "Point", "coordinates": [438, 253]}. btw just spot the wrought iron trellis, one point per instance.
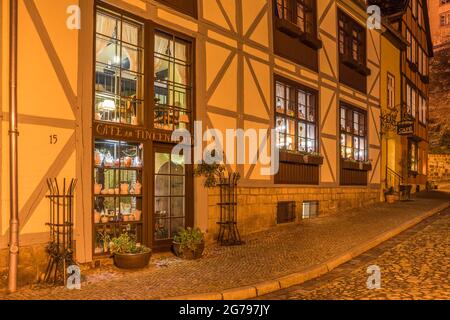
{"type": "Point", "coordinates": [60, 247]}
{"type": "Point", "coordinates": [228, 232]}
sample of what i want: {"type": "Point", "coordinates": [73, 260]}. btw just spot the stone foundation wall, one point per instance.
{"type": "Point", "coordinates": [32, 263]}
{"type": "Point", "coordinates": [439, 167]}
{"type": "Point", "coordinates": [257, 207]}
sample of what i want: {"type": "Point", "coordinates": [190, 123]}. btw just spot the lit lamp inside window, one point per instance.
{"type": "Point", "coordinates": [108, 106]}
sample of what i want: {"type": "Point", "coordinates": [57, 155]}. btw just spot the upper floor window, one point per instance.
{"type": "Point", "coordinates": [353, 133]}
{"type": "Point", "coordinates": [119, 74]}
{"type": "Point", "coordinates": [172, 82]}
{"type": "Point", "coordinates": [390, 91]}
{"type": "Point", "coordinates": [298, 12]}
{"type": "Point", "coordinates": [296, 118]}
{"type": "Point", "coordinates": [443, 2]}
{"type": "Point", "coordinates": [422, 109]}
{"type": "Point", "coordinates": [411, 95]}
{"type": "Point", "coordinates": [444, 19]}
{"type": "Point", "coordinates": [188, 7]}
{"type": "Point", "coordinates": [352, 39]}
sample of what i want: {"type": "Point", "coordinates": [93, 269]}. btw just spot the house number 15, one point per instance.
{"type": "Point", "coordinates": [53, 139]}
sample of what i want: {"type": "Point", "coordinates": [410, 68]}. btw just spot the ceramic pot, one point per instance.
{"type": "Point", "coordinates": [390, 198]}
{"type": "Point", "coordinates": [98, 158]}
{"type": "Point", "coordinates": [127, 162]}
{"type": "Point", "coordinates": [124, 188]}
{"type": "Point", "coordinates": [134, 121]}
{"type": "Point", "coordinates": [138, 188]}
{"type": "Point", "coordinates": [104, 219]}
{"type": "Point", "coordinates": [137, 215]}
{"type": "Point", "coordinates": [97, 188]}
{"type": "Point", "coordinates": [117, 191]}
{"type": "Point", "coordinates": [126, 218]}
{"type": "Point", "coordinates": [132, 261]}
{"type": "Point", "coordinates": [97, 217]}
{"type": "Point", "coordinates": [189, 254]}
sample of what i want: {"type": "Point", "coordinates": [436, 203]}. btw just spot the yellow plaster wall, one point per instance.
{"type": "Point", "coordinates": [47, 75]}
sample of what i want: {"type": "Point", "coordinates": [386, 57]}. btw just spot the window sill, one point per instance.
{"type": "Point", "coordinates": [287, 28]}
{"type": "Point", "coordinates": [358, 67]}
{"type": "Point", "coordinates": [291, 157]}
{"type": "Point", "coordinates": [355, 165]}
{"type": "Point", "coordinates": [295, 32]}
{"type": "Point", "coordinates": [311, 41]}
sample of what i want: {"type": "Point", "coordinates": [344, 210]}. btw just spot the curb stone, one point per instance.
{"type": "Point", "coordinates": [266, 287]}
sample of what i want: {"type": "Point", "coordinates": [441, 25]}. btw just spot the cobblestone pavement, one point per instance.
{"type": "Point", "coordinates": [265, 256]}
{"type": "Point", "coordinates": [413, 265]}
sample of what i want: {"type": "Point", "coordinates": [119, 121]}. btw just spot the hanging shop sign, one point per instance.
{"type": "Point", "coordinates": [405, 128]}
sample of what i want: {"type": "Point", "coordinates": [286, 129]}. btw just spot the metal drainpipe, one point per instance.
{"type": "Point", "coordinates": [13, 137]}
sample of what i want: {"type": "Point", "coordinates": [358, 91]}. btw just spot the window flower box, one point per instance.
{"type": "Point", "coordinates": [303, 158]}
{"type": "Point", "coordinates": [356, 165]}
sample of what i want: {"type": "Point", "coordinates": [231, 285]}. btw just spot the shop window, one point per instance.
{"type": "Point", "coordinates": [173, 84]}
{"type": "Point", "coordinates": [413, 162]}
{"type": "Point", "coordinates": [119, 76]}
{"type": "Point", "coordinates": [310, 209]}
{"type": "Point", "coordinates": [353, 134]}
{"type": "Point", "coordinates": [297, 129]}
{"type": "Point", "coordinates": [354, 146]}
{"type": "Point", "coordinates": [296, 118]}
{"type": "Point", "coordinates": [169, 195]}
{"type": "Point", "coordinates": [118, 202]}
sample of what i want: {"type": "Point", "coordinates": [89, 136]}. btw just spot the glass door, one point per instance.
{"type": "Point", "coordinates": [169, 196]}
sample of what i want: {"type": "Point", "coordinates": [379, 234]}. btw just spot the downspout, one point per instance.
{"type": "Point", "coordinates": [13, 163]}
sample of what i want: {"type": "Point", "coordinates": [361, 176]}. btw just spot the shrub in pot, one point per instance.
{"type": "Point", "coordinates": [127, 254]}
{"type": "Point", "coordinates": [390, 195]}
{"type": "Point", "coordinates": [189, 244]}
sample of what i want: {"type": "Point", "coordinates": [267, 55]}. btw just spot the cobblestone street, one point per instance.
{"type": "Point", "coordinates": [414, 265]}
{"type": "Point", "coordinates": [282, 251]}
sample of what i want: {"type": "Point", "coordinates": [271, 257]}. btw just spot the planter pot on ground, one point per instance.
{"type": "Point", "coordinates": [132, 261]}
{"type": "Point", "coordinates": [187, 253]}
{"type": "Point", "coordinates": [390, 198]}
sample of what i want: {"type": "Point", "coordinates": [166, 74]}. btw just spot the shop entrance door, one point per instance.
{"type": "Point", "coordinates": [172, 196]}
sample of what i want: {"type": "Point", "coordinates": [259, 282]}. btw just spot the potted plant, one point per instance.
{"type": "Point", "coordinates": [127, 254]}
{"type": "Point", "coordinates": [211, 173]}
{"type": "Point", "coordinates": [390, 195]}
{"type": "Point", "coordinates": [189, 244]}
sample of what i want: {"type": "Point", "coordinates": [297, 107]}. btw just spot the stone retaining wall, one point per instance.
{"type": "Point", "coordinates": [257, 207]}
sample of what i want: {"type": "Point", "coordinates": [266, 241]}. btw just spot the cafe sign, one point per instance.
{"type": "Point", "coordinates": [130, 133]}
{"type": "Point", "coordinates": [405, 128]}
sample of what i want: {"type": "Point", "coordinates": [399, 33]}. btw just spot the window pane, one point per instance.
{"type": "Point", "coordinates": [162, 163]}
{"type": "Point", "coordinates": [177, 186]}
{"type": "Point", "coordinates": [301, 105]}
{"type": "Point", "coordinates": [177, 207]}
{"type": "Point", "coordinates": [162, 185]}
{"type": "Point", "coordinates": [280, 92]}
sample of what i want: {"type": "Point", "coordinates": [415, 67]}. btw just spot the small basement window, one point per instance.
{"type": "Point", "coordinates": [310, 209]}
{"type": "Point", "coordinates": [285, 212]}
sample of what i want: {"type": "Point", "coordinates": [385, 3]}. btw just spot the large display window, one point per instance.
{"type": "Point", "coordinates": [143, 85]}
